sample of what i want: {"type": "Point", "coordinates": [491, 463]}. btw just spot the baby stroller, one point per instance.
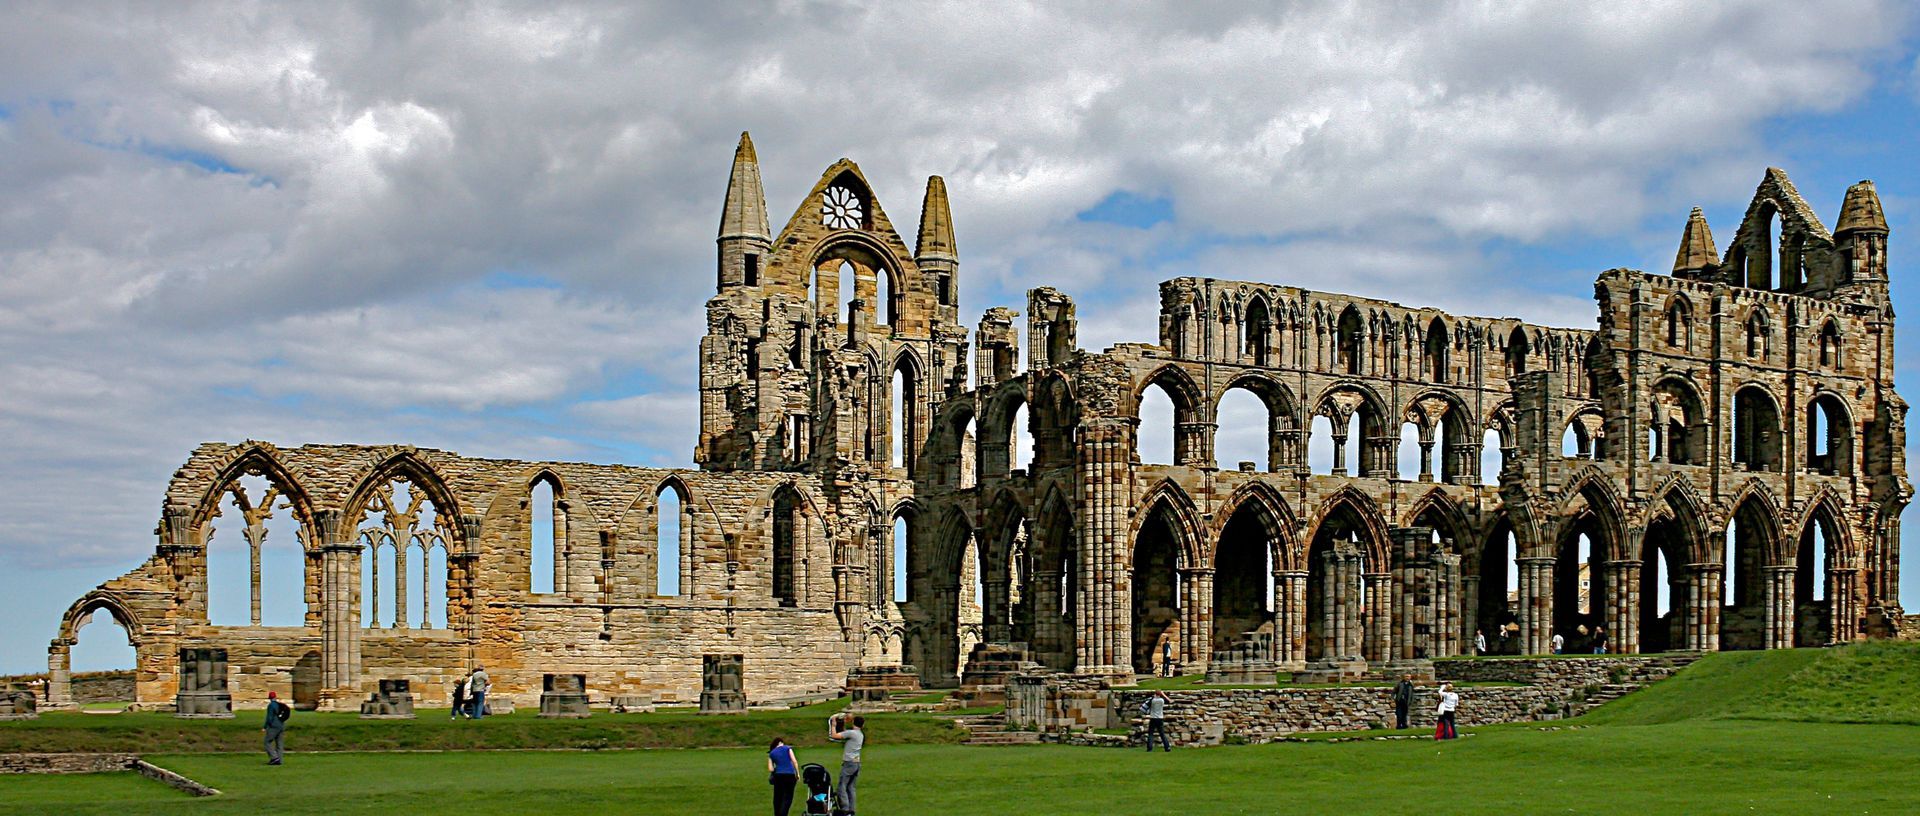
{"type": "Point", "coordinates": [819, 786]}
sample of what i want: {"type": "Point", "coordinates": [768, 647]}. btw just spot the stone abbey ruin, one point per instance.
{"type": "Point", "coordinates": [1716, 464]}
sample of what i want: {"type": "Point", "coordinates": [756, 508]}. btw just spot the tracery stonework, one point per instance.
{"type": "Point", "coordinates": [1716, 465]}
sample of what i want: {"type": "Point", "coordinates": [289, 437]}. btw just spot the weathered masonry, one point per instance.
{"type": "Point", "coordinates": [1717, 464]}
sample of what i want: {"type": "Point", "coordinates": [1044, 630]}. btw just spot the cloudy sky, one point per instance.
{"type": "Point", "coordinates": [489, 228]}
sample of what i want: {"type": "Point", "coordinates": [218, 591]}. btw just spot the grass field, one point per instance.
{"type": "Point", "coordinates": [1828, 731]}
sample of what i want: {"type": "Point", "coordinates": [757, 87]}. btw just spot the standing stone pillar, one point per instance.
{"type": "Point", "coordinates": [1622, 613]}
{"type": "Point", "coordinates": [1405, 579]}
{"type": "Point", "coordinates": [1290, 624]}
{"type": "Point", "coordinates": [1443, 637]}
{"type": "Point", "coordinates": [1426, 460]}
{"type": "Point", "coordinates": [1780, 609]}
{"type": "Point", "coordinates": [1703, 608]}
{"type": "Point", "coordinates": [1536, 605]}
{"type": "Point", "coordinates": [340, 613]}
{"type": "Point", "coordinates": [1843, 604]}
{"type": "Point", "coordinates": [60, 674]}
{"type": "Point", "coordinates": [1470, 612]}
{"type": "Point", "coordinates": [1050, 635]}
{"type": "Point", "coordinates": [1105, 608]}
{"type": "Point", "coordinates": [1378, 624]}
{"type": "Point", "coordinates": [996, 591]}
{"type": "Point", "coordinates": [1196, 620]}
{"type": "Point", "coordinates": [256, 534]}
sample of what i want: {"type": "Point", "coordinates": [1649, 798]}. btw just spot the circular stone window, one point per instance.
{"type": "Point", "coordinates": [840, 209]}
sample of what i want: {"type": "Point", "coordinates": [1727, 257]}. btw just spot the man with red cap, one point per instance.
{"type": "Point", "coordinates": [276, 726]}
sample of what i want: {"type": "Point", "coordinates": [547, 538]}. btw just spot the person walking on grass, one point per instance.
{"type": "Point", "coordinates": [1402, 700]}
{"type": "Point", "coordinates": [1449, 702]}
{"type": "Point", "coordinates": [477, 685]}
{"type": "Point", "coordinates": [459, 698]}
{"type": "Point", "coordinates": [855, 738]}
{"type": "Point", "coordinates": [1156, 710]}
{"type": "Point", "coordinates": [783, 770]}
{"type": "Point", "coordinates": [276, 727]}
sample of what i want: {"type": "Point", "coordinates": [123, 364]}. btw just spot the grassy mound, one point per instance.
{"type": "Point", "coordinates": [1870, 682]}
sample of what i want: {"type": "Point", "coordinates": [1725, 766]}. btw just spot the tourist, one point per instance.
{"type": "Point", "coordinates": [276, 726]}
{"type": "Point", "coordinates": [1559, 643]}
{"type": "Point", "coordinates": [1166, 658]}
{"type": "Point", "coordinates": [1156, 710]}
{"type": "Point", "coordinates": [855, 738]}
{"type": "Point", "coordinates": [1449, 702]}
{"type": "Point", "coordinates": [783, 771]}
{"type": "Point", "coordinates": [477, 686]}
{"type": "Point", "coordinates": [1599, 640]}
{"type": "Point", "coordinates": [459, 697]}
{"type": "Point", "coordinates": [1402, 700]}
{"type": "Point", "coordinates": [1480, 642]}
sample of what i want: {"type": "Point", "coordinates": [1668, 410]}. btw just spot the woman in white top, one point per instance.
{"type": "Point", "coordinates": [1449, 702]}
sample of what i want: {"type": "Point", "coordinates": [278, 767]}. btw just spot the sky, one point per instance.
{"type": "Point", "coordinates": [488, 228]}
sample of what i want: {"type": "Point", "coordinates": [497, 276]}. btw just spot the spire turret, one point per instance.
{"type": "Point", "coordinates": [935, 253]}
{"type": "Point", "coordinates": [744, 234]}
{"type": "Point", "coordinates": [1697, 253]}
{"type": "Point", "coordinates": [1861, 211]}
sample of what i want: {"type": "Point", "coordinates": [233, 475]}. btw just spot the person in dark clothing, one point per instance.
{"type": "Point", "coordinates": [459, 699]}
{"type": "Point", "coordinates": [783, 771]}
{"type": "Point", "coordinates": [1156, 711]}
{"type": "Point", "coordinates": [276, 726]}
{"type": "Point", "coordinates": [1402, 700]}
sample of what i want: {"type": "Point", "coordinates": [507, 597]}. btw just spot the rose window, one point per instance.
{"type": "Point", "coordinates": [840, 209]}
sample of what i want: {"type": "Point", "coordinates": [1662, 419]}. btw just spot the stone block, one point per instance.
{"type": "Point", "coordinates": [392, 700]}
{"type": "Point", "coordinates": [203, 685]}
{"type": "Point", "coordinates": [564, 696]}
{"type": "Point", "coordinates": [720, 684]}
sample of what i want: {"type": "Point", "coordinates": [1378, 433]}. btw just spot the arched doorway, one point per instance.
{"type": "Point", "coordinates": [1156, 591]}
{"type": "Point", "coordinates": [1751, 539]}
{"type": "Point", "coordinates": [1337, 602]}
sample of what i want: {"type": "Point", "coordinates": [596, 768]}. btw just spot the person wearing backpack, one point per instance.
{"type": "Point", "coordinates": [1155, 710]}
{"type": "Point", "coordinates": [276, 726]}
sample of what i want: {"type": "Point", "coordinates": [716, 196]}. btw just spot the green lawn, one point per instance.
{"type": "Point", "coordinates": [1807, 731]}
{"type": "Point", "coordinates": [1701, 766]}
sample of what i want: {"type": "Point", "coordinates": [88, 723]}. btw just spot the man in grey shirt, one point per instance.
{"type": "Point", "coordinates": [1155, 709]}
{"type": "Point", "coordinates": [849, 756]}
{"type": "Point", "coordinates": [477, 692]}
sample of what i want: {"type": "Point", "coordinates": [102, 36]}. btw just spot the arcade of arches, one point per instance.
{"type": "Point", "coordinates": [884, 494]}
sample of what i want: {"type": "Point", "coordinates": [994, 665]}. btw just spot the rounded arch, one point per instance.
{"type": "Point", "coordinates": [81, 613]}
{"type": "Point", "coordinates": [1056, 410]}
{"type": "Point", "coordinates": [1188, 399]}
{"type": "Point", "coordinates": [1829, 424]}
{"type": "Point", "coordinates": [1518, 350]}
{"type": "Point", "coordinates": [997, 437]}
{"type": "Point", "coordinates": [1677, 415]}
{"type": "Point", "coordinates": [1679, 322]}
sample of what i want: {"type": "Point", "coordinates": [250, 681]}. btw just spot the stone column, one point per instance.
{"type": "Point", "coordinates": [401, 536]}
{"type": "Point", "coordinates": [1703, 607]}
{"type": "Point", "coordinates": [1843, 604]}
{"type": "Point", "coordinates": [1536, 605]}
{"type": "Point", "coordinates": [1340, 451]}
{"type": "Point", "coordinates": [60, 675]}
{"type": "Point", "coordinates": [1049, 632]}
{"type": "Point", "coordinates": [256, 534]}
{"type": "Point", "coordinates": [1290, 619]}
{"type": "Point", "coordinates": [1443, 635]}
{"type": "Point", "coordinates": [1341, 601]}
{"type": "Point", "coordinates": [1411, 577]}
{"type": "Point", "coordinates": [1105, 608]}
{"type": "Point", "coordinates": [1780, 609]}
{"type": "Point", "coordinates": [995, 591]}
{"type": "Point", "coordinates": [1196, 620]}
{"type": "Point", "coordinates": [1623, 607]}
{"type": "Point", "coordinates": [1470, 612]}
{"type": "Point", "coordinates": [1426, 460]}
{"type": "Point", "coordinates": [340, 615]}
{"type": "Point", "coordinates": [1379, 627]}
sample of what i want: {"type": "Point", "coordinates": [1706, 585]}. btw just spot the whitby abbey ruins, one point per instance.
{"type": "Point", "coordinates": [887, 497]}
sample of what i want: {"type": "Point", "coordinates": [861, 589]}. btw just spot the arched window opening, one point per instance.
{"type": "Point", "coordinates": [1676, 418]}
{"type": "Point", "coordinates": [1156, 593]}
{"type": "Point", "coordinates": [1830, 437]}
{"type": "Point", "coordinates": [1829, 345]}
{"type": "Point", "coordinates": [1350, 341]}
{"type": "Point", "coordinates": [786, 520]}
{"type": "Point", "coordinates": [1243, 571]}
{"type": "Point", "coordinates": [1584, 548]}
{"type": "Point", "coordinates": [797, 442]}
{"type": "Point", "coordinates": [1756, 430]}
{"type": "Point", "coordinates": [903, 401]}
{"type": "Point", "coordinates": [1243, 430]}
{"type": "Point", "coordinates": [404, 535]}
{"type": "Point", "coordinates": [1436, 347]}
{"type": "Point", "coordinates": [106, 647]}
{"type": "Point", "coordinates": [846, 292]}
{"type": "Point", "coordinates": [1570, 442]}
{"type": "Point", "coordinates": [1411, 457]}
{"type": "Point", "coordinates": [672, 533]}
{"type": "Point", "coordinates": [1021, 454]}
{"type": "Point", "coordinates": [1517, 350]}
{"type": "Point", "coordinates": [1492, 457]}
{"type": "Point", "coordinates": [901, 537]}
{"type": "Point", "coordinates": [1257, 333]}
{"type": "Point", "coordinates": [1759, 336]}
{"type": "Point", "coordinates": [1730, 557]}
{"type": "Point", "coordinates": [1814, 563]}
{"type": "Point", "coordinates": [544, 538]}
{"type": "Point", "coordinates": [882, 306]}
{"type": "Point", "coordinates": [1155, 433]}
{"type": "Point", "coordinates": [1679, 325]}
{"type": "Point", "coordinates": [1348, 460]}
{"type": "Point", "coordinates": [1320, 444]}
{"type": "Point", "coordinates": [969, 443]}
{"type": "Point", "coordinates": [256, 557]}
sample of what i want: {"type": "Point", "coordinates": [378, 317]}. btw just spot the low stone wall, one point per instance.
{"type": "Point", "coordinates": [103, 687]}
{"type": "Point", "coordinates": [1067, 708]}
{"type": "Point", "coordinates": [1908, 627]}
{"type": "Point", "coordinates": [65, 763]}
{"type": "Point", "coordinates": [1265, 715]}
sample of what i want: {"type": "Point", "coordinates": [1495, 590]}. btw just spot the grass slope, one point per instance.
{"type": "Point", "coordinates": [1870, 682]}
